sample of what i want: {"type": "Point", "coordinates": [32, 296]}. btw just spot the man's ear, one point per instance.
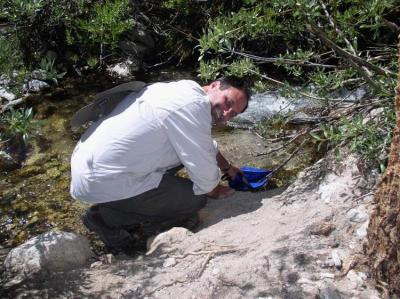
{"type": "Point", "coordinates": [215, 85]}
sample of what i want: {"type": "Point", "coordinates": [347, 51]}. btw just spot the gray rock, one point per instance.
{"type": "Point", "coordinates": [7, 95]}
{"type": "Point", "coordinates": [46, 253]}
{"type": "Point", "coordinates": [39, 75]}
{"type": "Point", "coordinates": [35, 86]}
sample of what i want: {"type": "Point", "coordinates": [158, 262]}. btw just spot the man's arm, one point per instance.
{"type": "Point", "coordinates": [226, 167]}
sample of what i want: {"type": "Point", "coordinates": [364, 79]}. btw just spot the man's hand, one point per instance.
{"type": "Point", "coordinates": [220, 192]}
{"type": "Point", "coordinates": [232, 172]}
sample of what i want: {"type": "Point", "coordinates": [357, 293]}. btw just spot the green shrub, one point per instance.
{"type": "Point", "coordinates": [10, 55]}
{"type": "Point", "coordinates": [17, 123]}
{"type": "Point", "coordinates": [371, 139]}
{"type": "Point", "coordinates": [105, 25]}
{"type": "Point", "coordinates": [51, 73]}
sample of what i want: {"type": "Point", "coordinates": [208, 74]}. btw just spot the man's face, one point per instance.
{"type": "Point", "coordinates": [226, 103]}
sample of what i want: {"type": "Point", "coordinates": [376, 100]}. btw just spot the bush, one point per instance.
{"type": "Point", "coordinates": [10, 55]}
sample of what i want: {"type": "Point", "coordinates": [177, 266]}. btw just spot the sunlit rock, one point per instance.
{"type": "Point", "coordinates": [47, 253]}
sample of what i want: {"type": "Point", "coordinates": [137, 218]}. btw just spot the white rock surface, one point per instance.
{"type": "Point", "coordinates": [35, 86]}
{"type": "Point", "coordinates": [7, 95]}
{"type": "Point", "coordinates": [123, 69]}
{"type": "Point", "coordinates": [362, 230]}
{"type": "Point", "coordinates": [337, 258]}
{"type": "Point", "coordinates": [48, 253]}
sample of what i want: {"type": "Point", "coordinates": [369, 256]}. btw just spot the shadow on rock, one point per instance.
{"type": "Point", "coordinates": [58, 285]}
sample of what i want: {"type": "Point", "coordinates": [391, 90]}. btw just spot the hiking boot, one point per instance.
{"type": "Point", "coordinates": [191, 222]}
{"type": "Point", "coordinates": [112, 237]}
{"type": "Point", "coordinates": [153, 228]}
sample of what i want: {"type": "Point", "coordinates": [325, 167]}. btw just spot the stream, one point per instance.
{"type": "Point", "coordinates": [35, 198]}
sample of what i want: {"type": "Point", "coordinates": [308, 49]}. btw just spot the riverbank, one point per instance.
{"type": "Point", "coordinates": [303, 242]}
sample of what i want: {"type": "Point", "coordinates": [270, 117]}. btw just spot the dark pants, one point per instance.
{"type": "Point", "coordinates": [172, 200]}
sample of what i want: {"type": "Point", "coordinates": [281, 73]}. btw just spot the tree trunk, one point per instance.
{"type": "Point", "coordinates": [384, 227]}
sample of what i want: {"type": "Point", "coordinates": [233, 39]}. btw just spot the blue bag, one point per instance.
{"type": "Point", "coordinates": [256, 178]}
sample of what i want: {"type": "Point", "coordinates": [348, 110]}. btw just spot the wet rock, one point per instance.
{"type": "Point", "coordinates": [7, 95]}
{"type": "Point", "coordinates": [46, 253]}
{"type": "Point", "coordinates": [35, 86]}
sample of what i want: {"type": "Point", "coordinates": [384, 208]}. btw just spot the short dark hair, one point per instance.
{"type": "Point", "coordinates": [236, 82]}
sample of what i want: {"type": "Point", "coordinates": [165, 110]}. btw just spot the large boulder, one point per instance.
{"type": "Point", "coordinates": [47, 253]}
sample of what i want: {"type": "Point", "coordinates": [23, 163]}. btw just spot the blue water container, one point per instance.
{"type": "Point", "coordinates": [256, 178]}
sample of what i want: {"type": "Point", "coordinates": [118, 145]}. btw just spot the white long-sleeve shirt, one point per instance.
{"type": "Point", "coordinates": [149, 132]}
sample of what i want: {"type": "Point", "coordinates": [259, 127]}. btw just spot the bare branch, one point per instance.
{"type": "Point", "coordinates": [282, 60]}
{"type": "Point", "coordinates": [313, 29]}
{"type": "Point", "coordinates": [287, 160]}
